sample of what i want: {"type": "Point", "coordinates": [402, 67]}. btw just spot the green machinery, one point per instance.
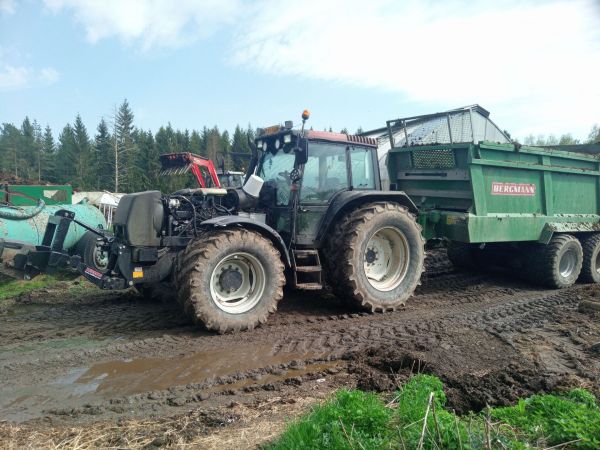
{"type": "Point", "coordinates": [477, 189]}
{"type": "Point", "coordinates": [25, 211]}
{"type": "Point", "coordinates": [29, 195]}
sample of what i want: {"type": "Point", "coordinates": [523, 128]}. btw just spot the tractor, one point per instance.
{"type": "Point", "coordinates": [311, 212]}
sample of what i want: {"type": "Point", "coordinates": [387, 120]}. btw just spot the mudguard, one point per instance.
{"type": "Point", "coordinates": [346, 200]}
{"type": "Point", "coordinates": [262, 228]}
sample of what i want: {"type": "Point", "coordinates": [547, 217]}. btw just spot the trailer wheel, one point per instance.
{"type": "Point", "coordinates": [558, 264]}
{"type": "Point", "coordinates": [90, 254]}
{"type": "Point", "coordinates": [230, 280]}
{"type": "Point", "coordinates": [590, 270]}
{"type": "Point", "coordinates": [383, 257]}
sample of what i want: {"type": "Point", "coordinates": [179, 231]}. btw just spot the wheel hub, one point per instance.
{"type": "Point", "coordinates": [230, 279]}
{"type": "Point", "coordinates": [386, 258]}
{"type": "Point", "coordinates": [237, 283]}
{"type": "Point", "coordinates": [100, 258]}
{"type": "Point", "coordinates": [567, 263]}
{"type": "Point", "coordinates": [371, 255]}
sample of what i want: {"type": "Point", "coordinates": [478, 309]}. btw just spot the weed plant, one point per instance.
{"type": "Point", "coordinates": [416, 418]}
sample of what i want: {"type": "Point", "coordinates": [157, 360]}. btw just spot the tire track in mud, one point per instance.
{"type": "Point", "coordinates": [307, 328]}
{"type": "Point", "coordinates": [498, 315]}
{"type": "Point", "coordinates": [486, 306]}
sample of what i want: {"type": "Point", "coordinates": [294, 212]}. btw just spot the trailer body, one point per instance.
{"type": "Point", "coordinates": [498, 192]}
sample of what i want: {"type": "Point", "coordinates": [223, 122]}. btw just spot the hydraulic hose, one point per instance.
{"type": "Point", "coordinates": [17, 213]}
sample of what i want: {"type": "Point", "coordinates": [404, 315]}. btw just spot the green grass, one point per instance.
{"type": "Point", "coordinates": [358, 420]}
{"type": "Point", "coordinates": [9, 287]}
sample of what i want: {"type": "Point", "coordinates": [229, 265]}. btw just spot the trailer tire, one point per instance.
{"type": "Point", "coordinates": [230, 280]}
{"type": "Point", "coordinates": [590, 270]}
{"type": "Point", "coordinates": [557, 264]}
{"type": "Point", "coordinates": [382, 257]}
{"type": "Point", "coordinates": [91, 256]}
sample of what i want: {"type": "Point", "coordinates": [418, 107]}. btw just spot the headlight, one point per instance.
{"type": "Point", "coordinates": [287, 139]}
{"type": "Point", "coordinates": [259, 144]}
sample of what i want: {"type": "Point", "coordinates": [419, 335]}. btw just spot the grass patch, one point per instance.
{"type": "Point", "coordinates": [10, 287]}
{"type": "Point", "coordinates": [416, 418]}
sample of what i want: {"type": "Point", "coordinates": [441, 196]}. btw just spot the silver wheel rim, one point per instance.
{"type": "Point", "coordinates": [100, 258]}
{"type": "Point", "coordinates": [237, 283]}
{"type": "Point", "coordinates": [597, 260]}
{"type": "Point", "coordinates": [567, 264]}
{"type": "Point", "coordinates": [386, 258]}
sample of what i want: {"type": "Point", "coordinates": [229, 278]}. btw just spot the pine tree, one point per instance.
{"type": "Point", "coordinates": [240, 147]}
{"type": "Point", "coordinates": [65, 156]}
{"type": "Point", "coordinates": [103, 158]}
{"type": "Point", "coordinates": [82, 152]}
{"type": "Point", "coordinates": [125, 154]}
{"type": "Point", "coordinates": [48, 155]}
{"type": "Point", "coordinates": [9, 148]}
{"type": "Point", "coordinates": [196, 143]}
{"type": "Point", "coordinates": [27, 158]}
{"type": "Point", "coordinates": [224, 158]}
{"type": "Point", "coordinates": [147, 161]}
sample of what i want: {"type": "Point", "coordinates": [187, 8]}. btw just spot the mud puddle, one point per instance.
{"type": "Point", "coordinates": [209, 371]}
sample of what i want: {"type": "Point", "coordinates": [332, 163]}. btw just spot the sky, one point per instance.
{"type": "Point", "coordinates": [534, 64]}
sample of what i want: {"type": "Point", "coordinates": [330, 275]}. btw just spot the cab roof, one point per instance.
{"type": "Point", "coordinates": [341, 137]}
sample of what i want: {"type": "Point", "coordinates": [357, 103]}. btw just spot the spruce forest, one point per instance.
{"type": "Point", "coordinates": [120, 157]}
{"type": "Point", "coordinates": [89, 161]}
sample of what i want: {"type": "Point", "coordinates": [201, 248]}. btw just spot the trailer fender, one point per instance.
{"type": "Point", "coordinates": [567, 227]}
{"type": "Point", "coordinates": [347, 200]}
{"type": "Point", "coordinates": [262, 228]}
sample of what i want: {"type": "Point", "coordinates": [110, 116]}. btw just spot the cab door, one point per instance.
{"type": "Point", "coordinates": [331, 168]}
{"type": "Point", "coordinates": [325, 173]}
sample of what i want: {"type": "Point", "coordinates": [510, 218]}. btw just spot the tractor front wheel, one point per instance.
{"type": "Point", "coordinates": [230, 280]}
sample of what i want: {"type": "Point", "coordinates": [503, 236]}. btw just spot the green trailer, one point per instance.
{"type": "Point", "coordinates": [536, 208]}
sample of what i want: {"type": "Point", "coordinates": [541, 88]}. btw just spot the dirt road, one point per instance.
{"type": "Point", "coordinates": [94, 356]}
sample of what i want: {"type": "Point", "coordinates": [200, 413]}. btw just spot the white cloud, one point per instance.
{"type": "Point", "coordinates": [529, 62]}
{"type": "Point", "coordinates": [7, 7]}
{"type": "Point", "coordinates": [533, 63]}
{"type": "Point", "coordinates": [150, 23]}
{"type": "Point", "coordinates": [16, 76]}
{"type": "Point", "coordinates": [12, 77]}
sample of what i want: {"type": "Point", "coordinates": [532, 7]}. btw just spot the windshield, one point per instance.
{"type": "Point", "coordinates": [276, 168]}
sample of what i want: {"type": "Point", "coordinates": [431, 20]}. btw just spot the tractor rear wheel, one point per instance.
{"type": "Point", "coordinates": [230, 280]}
{"type": "Point", "coordinates": [382, 257]}
{"type": "Point", "coordinates": [590, 270]}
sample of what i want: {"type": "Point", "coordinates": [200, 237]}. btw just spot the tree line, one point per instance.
{"type": "Point", "coordinates": [119, 157]}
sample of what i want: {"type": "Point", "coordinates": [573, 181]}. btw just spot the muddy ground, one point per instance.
{"type": "Point", "coordinates": [74, 359]}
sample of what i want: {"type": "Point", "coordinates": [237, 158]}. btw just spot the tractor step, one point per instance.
{"type": "Point", "coordinates": [309, 286]}
{"type": "Point", "coordinates": [307, 269]}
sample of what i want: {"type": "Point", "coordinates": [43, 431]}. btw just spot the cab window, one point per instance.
{"type": "Point", "coordinates": [324, 172]}
{"type": "Point", "coordinates": [361, 163]}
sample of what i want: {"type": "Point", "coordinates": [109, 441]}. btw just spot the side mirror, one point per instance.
{"type": "Point", "coordinates": [301, 151]}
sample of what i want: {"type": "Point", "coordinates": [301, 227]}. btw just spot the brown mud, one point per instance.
{"type": "Point", "coordinates": [113, 357]}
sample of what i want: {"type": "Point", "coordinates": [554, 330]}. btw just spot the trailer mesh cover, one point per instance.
{"type": "Point", "coordinates": [433, 159]}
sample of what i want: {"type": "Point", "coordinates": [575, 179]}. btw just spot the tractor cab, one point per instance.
{"type": "Point", "coordinates": [303, 171]}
